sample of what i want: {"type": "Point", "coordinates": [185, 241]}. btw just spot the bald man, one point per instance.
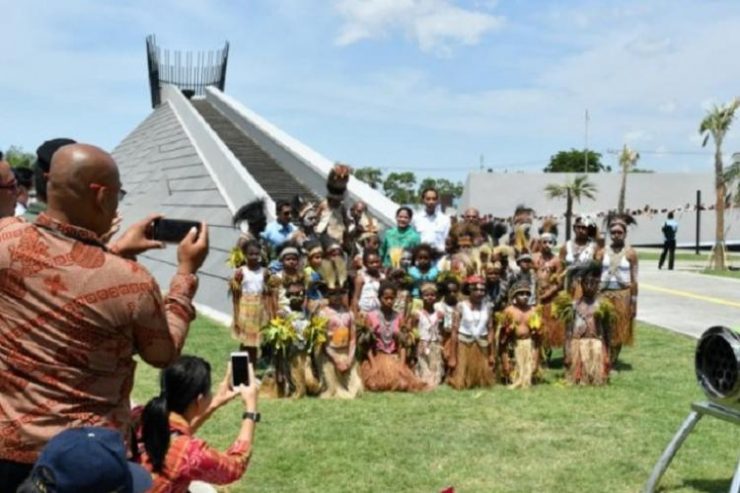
{"type": "Point", "coordinates": [8, 190]}
{"type": "Point", "coordinates": [73, 313]}
{"type": "Point", "coordinates": [472, 216]}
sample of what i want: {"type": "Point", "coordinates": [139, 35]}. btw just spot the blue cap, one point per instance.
{"type": "Point", "coordinates": [89, 460]}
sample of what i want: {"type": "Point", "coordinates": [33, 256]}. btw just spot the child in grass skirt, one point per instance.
{"type": "Point", "coordinates": [428, 318]}
{"type": "Point", "coordinates": [251, 299]}
{"type": "Point", "coordinates": [472, 359]}
{"type": "Point", "coordinates": [590, 322]}
{"type": "Point", "coordinates": [385, 367]}
{"type": "Point", "coordinates": [520, 335]}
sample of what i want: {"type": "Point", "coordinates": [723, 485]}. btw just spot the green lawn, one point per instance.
{"type": "Point", "coordinates": [549, 438]}
{"type": "Point", "coordinates": [733, 274]}
{"type": "Point", "coordinates": [682, 255]}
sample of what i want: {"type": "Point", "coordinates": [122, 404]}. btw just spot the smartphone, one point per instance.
{"type": "Point", "coordinates": [172, 230]}
{"type": "Point", "coordinates": [239, 369]}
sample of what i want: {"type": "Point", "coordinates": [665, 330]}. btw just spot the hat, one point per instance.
{"type": "Point", "coordinates": [336, 182]}
{"type": "Point", "coordinates": [523, 256]}
{"type": "Point", "coordinates": [46, 151]}
{"type": "Point", "coordinates": [520, 287]}
{"type": "Point", "coordinates": [89, 460]}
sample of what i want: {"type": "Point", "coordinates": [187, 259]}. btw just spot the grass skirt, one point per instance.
{"type": "Point", "coordinates": [251, 316]}
{"type": "Point", "coordinates": [525, 363]}
{"type": "Point", "coordinates": [384, 371]}
{"type": "Point", "coordinates": [553, 329]}
{"type": "Point", "coordinates": [472, 368]}
{"type": "Point", "coordinates": [342, 385]}
{"type": "Point", "coordinates": [589, 362]}
{"type": "Point", "coordinates": [430, 365]}
{"type": "Point", "coordinates": [302, 376]}
{"type": "Point", "coordinates": [623, 330]}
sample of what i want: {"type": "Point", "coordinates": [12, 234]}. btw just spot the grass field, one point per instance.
{"type": "Point", "coordinates": [733, 274]}
{"type": "Point", "coordinates": [683, 255]}
{"type": "Point", "coordinates": [552, 438]}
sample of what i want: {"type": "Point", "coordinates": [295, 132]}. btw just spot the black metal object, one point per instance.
{"type": "Point", "coordinates": [718, 365]}
{"type": "Point", "coordinates": [190, 71]}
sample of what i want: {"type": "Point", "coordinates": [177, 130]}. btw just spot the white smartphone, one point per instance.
{"type": "Point", "coordinates": [240, 369]}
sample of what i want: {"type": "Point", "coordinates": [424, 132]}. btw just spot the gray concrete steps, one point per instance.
{"type": "Point", "coordinates": [277, 182]}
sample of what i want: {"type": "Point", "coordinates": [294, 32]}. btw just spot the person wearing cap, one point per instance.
{"type": "Point", "coordinates": [472, 355]}
{"type": "Point", "coordinates": [619, 266]}
{"type": "Point", "coordinates": [432, 224]}
{"type": "Point", "coordinates": [525, 263]}
{"type": "Point", "coordinates": [520, 336]}
{"type": "Point", "coordinates": [579, 250]}
{"type": "Point", "coordinates": [86, 460]}
{"type": "Point", "coordinates": [41, 168]}
{"type": "Point", "coordinates": [74, 311]}
{"type": "Point", "coordinates": [8, 190]}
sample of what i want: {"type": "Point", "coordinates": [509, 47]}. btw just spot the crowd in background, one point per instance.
{"type": "Point", "coordinates": [326, 301]}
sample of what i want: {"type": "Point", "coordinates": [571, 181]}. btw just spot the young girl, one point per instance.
{"type": "Point", "coordinates": [449, 288]}
{"type": "Point", "coordinates": [472, 358]}
{"type": "Point", "coordinates": [314, 256]}
{"type": "Point", "coordinates": [422, 271]}
{"type": "Point", "coordinates": [385, 368]}
{"type": "Point", "coordinates": [339, 376]}
{"type": "Point", "coordinates": [520, 332]}
{"type": "Point", "coordinates": [428, 319]}
{"type": "Point", "coordinates": [367, 284]}
{"type": "Point", "coordinates": [251, 299]}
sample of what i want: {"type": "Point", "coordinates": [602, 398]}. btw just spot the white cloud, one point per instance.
{"type": "Point", "coordinates": [436, 25]}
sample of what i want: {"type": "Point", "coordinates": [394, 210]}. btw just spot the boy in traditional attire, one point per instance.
{"type": "Point", "coordinates": [548, 269]}
{"type": "Point", "coordinates": [520, 329]}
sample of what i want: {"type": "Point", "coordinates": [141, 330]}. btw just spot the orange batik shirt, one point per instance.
{"type": "Point", "coordinates": [72, 315]}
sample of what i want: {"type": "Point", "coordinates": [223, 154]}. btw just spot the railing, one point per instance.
{"type": "Point", "coordinates": [189, 71]}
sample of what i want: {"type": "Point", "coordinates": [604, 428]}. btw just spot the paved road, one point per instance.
{"type": "Point", "coordinates": [686, 301]}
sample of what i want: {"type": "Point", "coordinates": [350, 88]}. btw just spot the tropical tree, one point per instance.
{"type": "Point", "coordinates": [18, 158]}
{"type": "Point", "coordinates": [443, 186]}
{"type": "Point", "coordinates": [627, 162]}
{"type": "Point", "coordinates": [400, 187]}
{"type": "Point", "coordinates": [574, 161]}
{"type": "Point", "coordinates": [371, 176]}
{"type": "Point", "coordinates": [575, 189]}
{"type": "Point", "coordinates": [715, 125]}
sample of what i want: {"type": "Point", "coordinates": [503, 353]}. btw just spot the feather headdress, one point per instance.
{"type": "Point", "coordinates": [336, 182]}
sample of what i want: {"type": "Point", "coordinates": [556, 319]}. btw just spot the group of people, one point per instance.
{"type": "Point", "coordinates": [75, 307]}
{"type": "Point", "coordinates": [325, 301]}
{"type": "Point", "coordinates": [332, 305]}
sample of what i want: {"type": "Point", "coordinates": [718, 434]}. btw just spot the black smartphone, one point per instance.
{"type": "Point", "coordinates": [239, 369]}
{"type": "Point", "coordinates": [172, 230]}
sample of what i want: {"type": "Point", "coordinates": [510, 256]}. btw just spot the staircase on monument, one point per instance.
{"type": "Point", "coordinates": [277, 182]}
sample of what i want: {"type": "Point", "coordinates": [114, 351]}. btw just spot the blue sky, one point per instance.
{"type": "Point", "coordinates": [421, 85]}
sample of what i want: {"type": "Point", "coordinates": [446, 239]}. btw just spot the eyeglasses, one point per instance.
{"type": "Point", "coordinates": [98, 186]}
{"type": "Point", "coordinates": [11, 185]}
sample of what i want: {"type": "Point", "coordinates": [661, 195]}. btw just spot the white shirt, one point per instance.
{"type": "Point", "coordinates": [433, 228]}
{"type": "Point", "coordinates": [20, 209]}
{"type": "Point", "coordinates": [473, 323]}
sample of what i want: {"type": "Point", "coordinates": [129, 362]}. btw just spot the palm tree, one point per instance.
{"type": "Point", "coordinates": [577, 189]}
{"type": "Point", "coordinates": [627, 161]}
{"type": "Point", "coordinates": [715, 124]}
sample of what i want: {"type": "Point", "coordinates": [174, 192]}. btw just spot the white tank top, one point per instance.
{"type": "Point", "coordinates": [618, 279]}
{"type": "Point", "coordinates": [369, 295]}
{"type": "Point", "coordinates": [473, 323]}
{"type": "Point", "coordinates": [253, 281]}
{"type": "Point", "coordinates": [582, 257]}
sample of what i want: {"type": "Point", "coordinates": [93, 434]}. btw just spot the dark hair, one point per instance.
{"type": "Point", "coordinates": [251, 244]}
{"type": "Point", "coordinates": [39, 182]}
{"type": "Point", "coordinates": [180, 385]}
{"type": "Point", "coordinates": [24, 176]}
{"type": "Point", "coordinates": [280, 204]}
{"type": "Point", "coordinates": [366, 255]}
{"type": "Point", "coordinates": [424, 247]}
{"type": "Point", "coordinates": [429, 189]}
{"type": "Point", "coordinates": [407, 209]}
{"type": "Point", "coordinates": [443, 283]}
{"type": "Point", "coordinates": [670, 215]}
{"type": "Point", "coordinates": [385, 285]}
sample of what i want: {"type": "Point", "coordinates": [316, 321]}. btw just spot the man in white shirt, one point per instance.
{"type": "Point", "coordinates": [431, 223]}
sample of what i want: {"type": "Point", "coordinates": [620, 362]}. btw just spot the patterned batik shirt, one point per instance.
{"type": "Point", "coordinates": [72, 315]}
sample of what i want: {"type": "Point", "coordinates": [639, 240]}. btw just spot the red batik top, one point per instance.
{"type": "Point", "coordinates": [191, 459]}
{"type": "Point", "coordinates": [72, 315]}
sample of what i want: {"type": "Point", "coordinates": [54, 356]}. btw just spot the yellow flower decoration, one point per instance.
{"type": "Point", "coordinates": [535, 320]}
{"type": "Point", "coordinates": [236, 258]}
{"type": "Point", "coordinates": [279, 333]}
